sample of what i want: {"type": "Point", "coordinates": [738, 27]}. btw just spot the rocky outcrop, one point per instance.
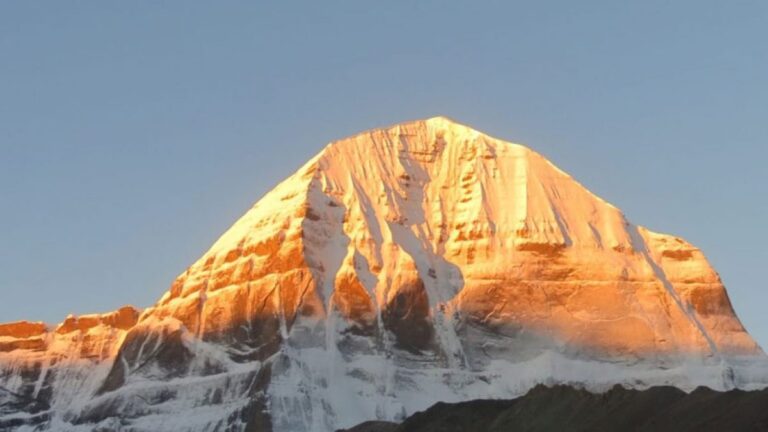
{"type": "Point", "coordinates": [401, 266]}
{"type": "Point", "coordinates": [43, 369]}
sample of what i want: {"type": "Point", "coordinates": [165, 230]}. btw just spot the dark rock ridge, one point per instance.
{"type": "Point", "coordinates": [567, 409]}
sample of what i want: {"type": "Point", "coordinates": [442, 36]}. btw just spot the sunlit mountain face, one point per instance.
{"type": "Point", "coordinates": [399, 267]}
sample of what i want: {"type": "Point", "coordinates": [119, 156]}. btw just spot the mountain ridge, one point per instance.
{"type": "Point", "coordinates": [565, 408]}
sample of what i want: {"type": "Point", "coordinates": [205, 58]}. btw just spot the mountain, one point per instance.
{"type": "Point", "coordinates": [566, 409]}
{"type": "Point", "coordinates": [402, 266]}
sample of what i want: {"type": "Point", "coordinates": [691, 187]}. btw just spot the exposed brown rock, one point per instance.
{"type": "Point", "coordinates": [23, 329]}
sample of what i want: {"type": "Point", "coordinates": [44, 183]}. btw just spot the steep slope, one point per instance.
{"type": "Point", "coordinates": [44, 370]}
{"type": "Point", "coordinates": [406, 265]}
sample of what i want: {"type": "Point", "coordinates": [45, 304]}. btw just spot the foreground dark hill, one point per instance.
{"type": "Point", "coordinates": [565, 409]}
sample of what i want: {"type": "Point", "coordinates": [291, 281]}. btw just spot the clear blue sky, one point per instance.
{"type": "Point", "coordinates": [132, 134]}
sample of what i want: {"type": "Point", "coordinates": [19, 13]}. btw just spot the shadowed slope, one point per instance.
{"type": "Point", "coordinates": [566, 409]}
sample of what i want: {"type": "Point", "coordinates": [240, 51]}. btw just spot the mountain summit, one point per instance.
{"type": "Point", "coordinates": [401, 266]}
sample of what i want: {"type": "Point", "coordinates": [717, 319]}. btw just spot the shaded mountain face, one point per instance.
{"type": "Point", "coordinates": [397, 268]}
{"type": "Point", "coordinates": [566, 409]}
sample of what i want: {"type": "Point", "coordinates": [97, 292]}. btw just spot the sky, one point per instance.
{"type": "Point", "coordinates": [133, 134]}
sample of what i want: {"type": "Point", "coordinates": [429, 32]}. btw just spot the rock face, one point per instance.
{"type": "Point", "coordinates": [44, 372]}
{"type": "Point", "coordinates": [399, 267]}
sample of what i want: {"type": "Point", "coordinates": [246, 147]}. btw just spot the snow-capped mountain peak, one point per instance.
{"type": "Point", "coordinates": [404, 265]}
